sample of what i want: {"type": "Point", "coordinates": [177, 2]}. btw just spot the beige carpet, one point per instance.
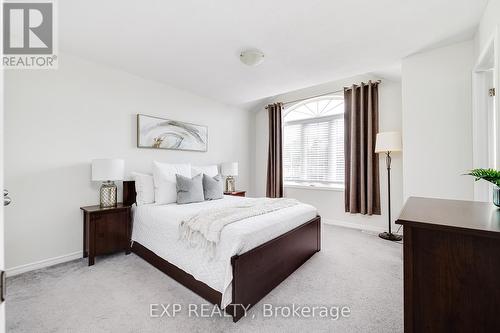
{"type": "Point", "coordinates": [354, 269]}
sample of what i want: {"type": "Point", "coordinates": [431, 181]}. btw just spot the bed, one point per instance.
{"type": "Point", "coordinates": [253, 257]}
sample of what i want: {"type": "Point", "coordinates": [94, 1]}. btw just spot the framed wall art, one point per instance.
{"type": "Point", "coordinates": [161, 133]}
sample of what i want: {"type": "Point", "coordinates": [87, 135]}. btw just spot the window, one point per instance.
{"type": "Point", "coordinates": [313, 152]}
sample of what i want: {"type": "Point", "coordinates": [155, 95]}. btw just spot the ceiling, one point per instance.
{"type": "Point", "coordinates": [194, 45]}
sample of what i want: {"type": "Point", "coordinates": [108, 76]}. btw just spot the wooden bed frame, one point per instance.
{"type": "Point", "coordinates": [255, 273]}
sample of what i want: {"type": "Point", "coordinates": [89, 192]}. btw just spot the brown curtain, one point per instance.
{"type": "Point", "coordinates": [362, 185]}
{"type": "Point", "coordinates": [274, 187]}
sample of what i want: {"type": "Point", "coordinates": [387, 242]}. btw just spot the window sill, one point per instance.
{"type": "Point", "coordinates": [337, 188]}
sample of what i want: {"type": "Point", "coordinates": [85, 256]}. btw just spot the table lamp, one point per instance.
{"type": "Point", "coordinates": [108, 170]}
{"type": "Point", "coordinates": [230, 170]}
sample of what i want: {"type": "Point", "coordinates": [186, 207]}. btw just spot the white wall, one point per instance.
{"type": "Point", "coordinates": [487, 25]}
{"type": "Point", "coordinates": [57, 121]}
{"type": "Point", "coordinates": [330, 203]}
{"type": "Point", "coordinates": [437, 122]}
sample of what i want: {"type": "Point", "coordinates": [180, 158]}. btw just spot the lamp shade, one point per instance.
{"type": "Point", "coordinates": [108, 169]}
{"type": "Point", "coordinates": [388, 141]}
{"type": "Point", "coordinates": [229, 169]}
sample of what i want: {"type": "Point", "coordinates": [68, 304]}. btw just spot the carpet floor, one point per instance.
{"type": "Point", "coordinates": [354, 269]}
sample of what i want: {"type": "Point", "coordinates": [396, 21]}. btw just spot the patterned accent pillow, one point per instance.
{"type": "Point", "coordinates": [213, 187]}
{"type": "Point", "coordinates": [189, 189]}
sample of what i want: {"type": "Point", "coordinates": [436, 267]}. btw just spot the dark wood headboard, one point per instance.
{"type": "Point", "coordinates": [129, 192]}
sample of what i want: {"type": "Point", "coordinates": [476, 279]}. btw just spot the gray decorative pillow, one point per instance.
{"type": "Point", "coordinates": [189, 189]}
{"type": "Point", "coordinates": [213, 187]}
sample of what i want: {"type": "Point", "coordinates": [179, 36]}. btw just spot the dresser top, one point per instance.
{"type": "Point", "coordinates": [470, 216]}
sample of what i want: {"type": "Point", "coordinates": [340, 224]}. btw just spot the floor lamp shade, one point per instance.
{"type": "Point", "coordinates": [388, 141]}
{"type": "Point", "coordinates": [107, 170]}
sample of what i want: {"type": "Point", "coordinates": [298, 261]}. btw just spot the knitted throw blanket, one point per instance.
{"type": "Point", "coordinates": [204, 228]}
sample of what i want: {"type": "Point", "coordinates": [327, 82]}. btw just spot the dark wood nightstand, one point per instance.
{"type": "Point", "coordinates": [106, 230]}
{"type": "Point", "coordinates": [236, 193]}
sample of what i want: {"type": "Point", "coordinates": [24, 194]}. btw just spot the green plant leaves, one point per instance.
{"type": "Point", "coordinates": [490, 175]}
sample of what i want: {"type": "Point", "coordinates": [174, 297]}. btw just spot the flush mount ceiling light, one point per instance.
{"type": "Point", "coordinates": [252, 57]}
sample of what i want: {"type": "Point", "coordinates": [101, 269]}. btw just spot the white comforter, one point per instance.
{"type": "Point", "coordinates": [157, 228]}
{"type": "Point", "coordinates": [204, 228]}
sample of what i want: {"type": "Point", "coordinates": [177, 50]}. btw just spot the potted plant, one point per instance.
{"type": "Point", "coordinates": [492, 176]}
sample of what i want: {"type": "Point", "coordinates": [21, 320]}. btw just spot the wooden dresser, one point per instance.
{"type": "Point", "coordinates": [451, 266]}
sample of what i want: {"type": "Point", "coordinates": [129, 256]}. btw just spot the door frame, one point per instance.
{"type": "Point", "coordinates": [486, 125]}
{"type": "Point", "coordinates": [2, 224]}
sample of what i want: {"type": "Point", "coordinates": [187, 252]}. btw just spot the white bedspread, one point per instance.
{"type": "Point", "coordinates": [157, 228]}
{"type": "Point", "coordinates": [205, 227]}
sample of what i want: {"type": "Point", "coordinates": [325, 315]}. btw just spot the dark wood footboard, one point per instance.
{"type": "Point", "coordinates": [258, 271]}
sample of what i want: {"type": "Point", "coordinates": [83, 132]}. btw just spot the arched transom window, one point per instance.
{"type": "Point", "coordinates": [313, 153]}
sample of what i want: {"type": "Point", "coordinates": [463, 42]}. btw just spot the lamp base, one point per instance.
{"type": "Point", "coordinates": [107, 195]}
{"type": "Point", "coordinates": [230, 184]}
{"type": "Point", "coordinates": [390, 236]}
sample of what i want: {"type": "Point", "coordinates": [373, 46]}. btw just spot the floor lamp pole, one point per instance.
{"type": "Point", "coordinates": [389, 235]}
{"type": "Point", "coordinates": [388, 161]}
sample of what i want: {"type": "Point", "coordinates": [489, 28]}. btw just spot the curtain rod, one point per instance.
{"type": "Point", "coordinates": [324, 94]}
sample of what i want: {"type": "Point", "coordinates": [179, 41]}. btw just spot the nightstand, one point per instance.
{"type": "Point", "coordinates": [236, 193]}
{"type": "Point", "coordinates": [106, 230]}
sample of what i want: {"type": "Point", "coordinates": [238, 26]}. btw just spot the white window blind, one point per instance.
{"type": "Point", "coordinates": [314, 142]}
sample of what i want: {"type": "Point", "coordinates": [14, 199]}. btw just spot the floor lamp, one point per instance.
{"type": "Point", "coordinates": [388, 142]}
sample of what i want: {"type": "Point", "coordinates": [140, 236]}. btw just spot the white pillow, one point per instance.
{"type": "Point", "coordinates": [165, 180]}
{"type": "Point", "coordinates": [144, 187]}
{"type": "Point", "coordinates": [209, 170]}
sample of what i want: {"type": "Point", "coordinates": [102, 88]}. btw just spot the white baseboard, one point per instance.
{"type": "Point", "coordinates": [43, 263]}
{"type": "Point", "coordinates": [352, 225]}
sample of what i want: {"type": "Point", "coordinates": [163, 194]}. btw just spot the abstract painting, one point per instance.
{"type": "Point", "coordinates": [154, 132]}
